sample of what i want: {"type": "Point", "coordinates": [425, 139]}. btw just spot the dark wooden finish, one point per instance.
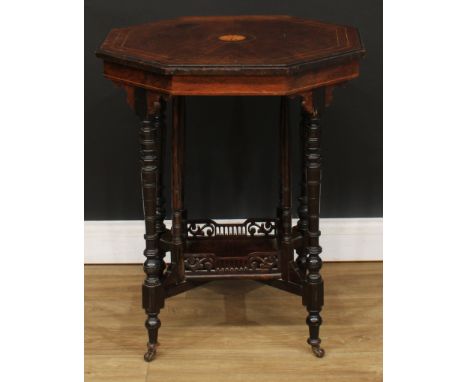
{"type": "Point", "coordinates": [302, 210]}
{"type": "Point", "coordinates": [248, 85]}
{"type": "Point", "coordinates": [250, 248]}
{"type": "Point", "coordinates": [181, 120]}
{"type": "Point", "coordinates": [287, 251]}
{"type": "Point", "coordinates": [312, 293]}
{"type": "Point", "coordinates": [273, 45]}
{"type": "Point", "coordinates": [177, 186]}
{"type": "Point", "coordinates": [151, 142]}
{"type": "Point", "coordinates": [279, 55]}
{"type": "Point", "coordinates": [231, 55]}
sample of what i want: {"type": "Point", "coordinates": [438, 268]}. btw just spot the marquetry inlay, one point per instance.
{"type": "Point", "coordinates": [232, 37]}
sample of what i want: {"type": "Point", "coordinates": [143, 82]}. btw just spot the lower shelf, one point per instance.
{"type": "Point", "coordinates": [230, 250]}
{"type": "Point", "coordinates": [239, 255]}
{"type": "Point", "coordinates": [232, 276]}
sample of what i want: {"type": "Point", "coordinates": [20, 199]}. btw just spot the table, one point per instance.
{"type": "Point", "coordinates": [165, 61]}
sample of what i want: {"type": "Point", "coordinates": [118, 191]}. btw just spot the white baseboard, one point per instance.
{"type": "Point", "coordinates": [353, 239]}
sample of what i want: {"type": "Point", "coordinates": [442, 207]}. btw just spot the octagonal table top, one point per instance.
{"type": "Point", "coordinates": [232, 45]}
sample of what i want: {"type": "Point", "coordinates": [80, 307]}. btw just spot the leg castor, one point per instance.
{"type": "Point", "coordinates": [318, 351]}
{"type": "Point", "coordinates": [151, 353]}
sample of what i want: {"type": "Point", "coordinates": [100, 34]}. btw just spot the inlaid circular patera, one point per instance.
{"type": "Point", "coordinates": [232, 37]}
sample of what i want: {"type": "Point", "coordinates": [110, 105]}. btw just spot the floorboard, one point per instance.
{"type": "Point", "coordinates": [234, 330]}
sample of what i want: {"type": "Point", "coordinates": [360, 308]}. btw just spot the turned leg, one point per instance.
{"type": "Point", "coordinates": [287, 252]}
{"type": "Point", "coordinates": [178, 212]}
{"type": "Point", "coordinates": [182, 161]}
{"type": "Point", "coordinates": [302, 224]}
{"type": "Point", "coordinates": [151, 150]}
{"type": "Point", "coordinates": [312, 296]}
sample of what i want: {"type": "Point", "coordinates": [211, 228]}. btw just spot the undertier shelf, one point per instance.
{"type": "Point", "coordinates": [238, 249]}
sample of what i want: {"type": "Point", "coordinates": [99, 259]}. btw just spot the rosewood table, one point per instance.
{"type": "Point", "coordinates": [280, 56]}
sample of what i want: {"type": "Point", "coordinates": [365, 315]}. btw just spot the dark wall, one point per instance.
{"type": "Point", "coordinates": [232, 142]}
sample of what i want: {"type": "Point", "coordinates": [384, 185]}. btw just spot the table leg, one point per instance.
{"type": "Point", "coordinates": [178, 213]}
{"type": "Point", "coordinates": [182, 153]}
{"type": "Point", "coordinates": [312, 296]}
{"type": "Point", "coordinates": [287, 252]}
{"type": "Point", "coordinates": [302, 224]}
{"type": "Point", "coordinates": [151, 112]}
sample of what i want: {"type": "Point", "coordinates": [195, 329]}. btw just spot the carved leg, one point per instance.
{"type": "Point", "coordinates": [160, 125]}
{"type": "Point", "coordinates": [151, 143]}
{"type": "Point", "coordinates": [312, 296]}
{"type": "Point", "coordinates": [287, 252]}
{"type": "Point", "coordinates": [178, 212]}
{"type": "Point", "coordinates": [182, 156]}
{"type": "Point", "coordinates": [302, 224]}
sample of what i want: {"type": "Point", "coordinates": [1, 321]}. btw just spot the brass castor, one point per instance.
{"type": "Point", "coordinates": [315, 344]}
{"type": "Point", "coordinates": [318, 351]}
{"type": "Point", "coordinates": [151, 353]}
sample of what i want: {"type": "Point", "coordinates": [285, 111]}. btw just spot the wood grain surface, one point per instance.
{"type": "Point", "coordinates": [231, 45]}
{"type": "Point", "coordinates": [232, 55]}
{"type": "Point", "coordinates": [234, 330]}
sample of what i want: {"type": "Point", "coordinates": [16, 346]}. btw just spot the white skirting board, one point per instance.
{"type": "Point", "coordinates": [347, 239]}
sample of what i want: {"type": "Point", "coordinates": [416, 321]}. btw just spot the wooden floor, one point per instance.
{"type": "Point", "coordinates": [234, 330]}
